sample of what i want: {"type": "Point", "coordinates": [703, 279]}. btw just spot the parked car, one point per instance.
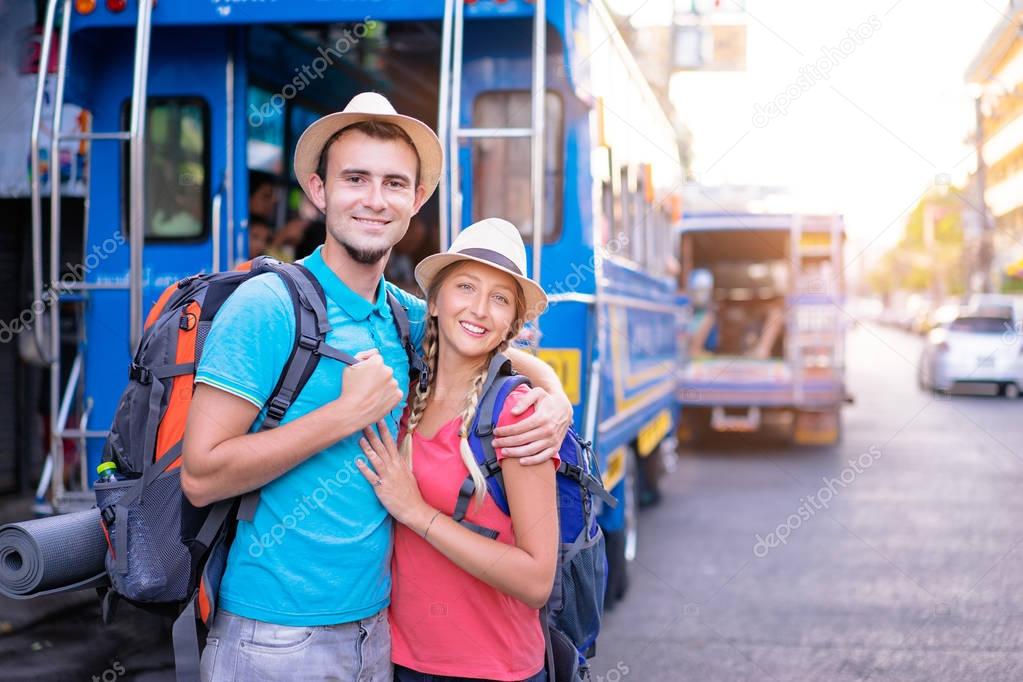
{"type": "Point", "coordinates": [976, 349]}
{"type": "Point", "coordinates": [938, 316]}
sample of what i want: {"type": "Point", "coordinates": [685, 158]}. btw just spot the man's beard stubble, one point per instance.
{"type": "Point", "coordinates": [363, 256]}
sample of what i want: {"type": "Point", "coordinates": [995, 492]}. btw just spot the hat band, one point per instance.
{"type": "Point", "coordinates": [493, 257]}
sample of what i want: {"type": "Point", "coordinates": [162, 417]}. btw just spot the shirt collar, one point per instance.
{"type": "Point", "coordinates": [336, 290]}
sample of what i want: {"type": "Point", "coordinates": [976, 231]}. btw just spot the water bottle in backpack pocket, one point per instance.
{"type": "Point", "coordinates": [146, 561]}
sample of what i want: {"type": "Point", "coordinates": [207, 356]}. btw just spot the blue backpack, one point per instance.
{"type": "Point", "coordinates": [571, 618]}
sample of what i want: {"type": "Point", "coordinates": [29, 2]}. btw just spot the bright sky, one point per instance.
{"type": "Point", "coordinates": [866, 142]}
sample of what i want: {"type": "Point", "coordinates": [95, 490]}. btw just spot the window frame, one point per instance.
{"type": "Point", "coordinates": [557, 202]}
{"type": "Point", "coordinates": [207, 160]}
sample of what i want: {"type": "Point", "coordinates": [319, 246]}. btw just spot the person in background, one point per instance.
{"type": "Point", "coordinates": [262, 195]}
{"type": "Point", "coordinates": [260, 234]}
{"type": "Point", "coordinates": [288, 241]}
{"type": "Point", "coordinates": [703, 326]}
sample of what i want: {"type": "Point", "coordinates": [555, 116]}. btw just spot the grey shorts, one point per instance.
{"type": "Point", "coordinates": [247, 650]}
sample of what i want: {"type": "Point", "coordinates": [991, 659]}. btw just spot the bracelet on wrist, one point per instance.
{"type": "Point", "coordinates": [432, 519]}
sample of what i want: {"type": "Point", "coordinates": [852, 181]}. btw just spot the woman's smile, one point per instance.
{"type": "Point", "coordinates": [473, 330]}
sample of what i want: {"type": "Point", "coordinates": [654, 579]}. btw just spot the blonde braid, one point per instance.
{"type": "Point", "coordinates": [422, 395]}
{"type": "Point", "coordinates": [472, 400]}
{"type": "Point", "coordinates": [430, 344]}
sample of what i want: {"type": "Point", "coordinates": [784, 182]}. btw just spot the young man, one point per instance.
{"type": "Point", "coordinates": [307, 582]}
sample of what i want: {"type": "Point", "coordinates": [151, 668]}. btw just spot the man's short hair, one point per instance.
{"type": "Point", "coordinates": [258, 178]}
{"type": "Point", "coordinates": [378, 130]}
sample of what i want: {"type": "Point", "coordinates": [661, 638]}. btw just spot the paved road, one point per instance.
{"type": "Point", "coordinates": [903, 565]}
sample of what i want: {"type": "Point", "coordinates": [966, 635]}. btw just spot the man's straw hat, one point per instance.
{"type": "Point", "coordinates": [369, 106]}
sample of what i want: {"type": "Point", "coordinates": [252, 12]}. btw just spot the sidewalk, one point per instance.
{"type": "Point", "coordinates": [61, 637]}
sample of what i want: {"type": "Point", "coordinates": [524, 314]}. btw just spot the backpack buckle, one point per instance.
{"type": "Point", "coordinates": [573, 472]}
{"type": "Point", "coordinates": [309, 343]}
{"type": "Point", "coordinates": [140, 374]}
{"type": "Point", "coordinates": [276, 409]}
{"type": "Point", "coordinates": [419, 366]}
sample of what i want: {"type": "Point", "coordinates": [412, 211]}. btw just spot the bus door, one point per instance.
{"type": "Point", "coordinates": [188, 216]}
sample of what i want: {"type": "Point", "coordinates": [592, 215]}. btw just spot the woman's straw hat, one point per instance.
{"type": "Point", "coordinates": [494, 242]}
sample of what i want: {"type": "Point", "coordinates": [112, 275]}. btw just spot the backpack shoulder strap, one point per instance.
{"type": "Point", "coordinates": [500, 382]}
{"type": "Point", "coordinates": [311, 328]}
{"type": "Point", "coordinates": [417, 366]}
{"type": "Point", "coordinates": [491, 406]}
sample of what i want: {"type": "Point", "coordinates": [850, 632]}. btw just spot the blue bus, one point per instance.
{"type": "Point", "coordinates": [188, 104]}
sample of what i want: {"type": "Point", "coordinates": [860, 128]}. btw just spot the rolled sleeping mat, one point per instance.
{"type": "Point", "coordinates": [55, 554]}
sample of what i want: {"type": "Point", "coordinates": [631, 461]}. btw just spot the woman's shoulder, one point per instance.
{"type": "Point", "coordinates": [517, 394]}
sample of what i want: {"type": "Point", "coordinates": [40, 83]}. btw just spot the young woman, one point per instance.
{"type": "Point", "coordinates": [464, 606]}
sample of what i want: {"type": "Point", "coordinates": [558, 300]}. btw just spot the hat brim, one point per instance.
{"type": "Point", "coordinates": [426, 271]}
{"type": "Point", "coordinates": [310, 145]}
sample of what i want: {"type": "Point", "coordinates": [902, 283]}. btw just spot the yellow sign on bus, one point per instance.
{"type": "Point", "coordinates": [567, 362]}
{"type": "Point", "coordinates": [653, 432]}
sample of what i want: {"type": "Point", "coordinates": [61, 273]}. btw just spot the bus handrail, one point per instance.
{"type": "Point", "coordinates": [218, 202]}
{"type": "Point", "coordinates": [37, 204]}
{"type": "Point", "coordinates": [538, 122]}
{"type": "Point", "coordinates": [136, 166]}
{"type": "Point", "coordinates": [443, 121]}
{"type": "Point", "coordinates": [60, 426]}
{"type": "Point", "coordinates": [53, 308]}
{"type": "Point", "coordinates": [229, 86]}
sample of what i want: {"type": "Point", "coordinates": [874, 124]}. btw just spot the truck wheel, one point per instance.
{"type": "Point", "coordinates": [621, 545]}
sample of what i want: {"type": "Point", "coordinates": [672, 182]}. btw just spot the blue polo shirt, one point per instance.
{"type": "Point", "coordinates": [318, 550]}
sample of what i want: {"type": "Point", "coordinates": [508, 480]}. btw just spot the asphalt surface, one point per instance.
{"type": "Point", "coordinates": [761, 562]}
{"type": "Point", "coordinates": [903, 565]}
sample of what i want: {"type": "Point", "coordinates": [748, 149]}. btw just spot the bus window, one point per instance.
{"type": "Point", "coordinates": [501, 182]}
{"type": "Point", "coordinates": [264, 148]}
{"type": "Point", "coordinates": [626, 198]}
{"type": "Point", "coordinates": [177, 158]}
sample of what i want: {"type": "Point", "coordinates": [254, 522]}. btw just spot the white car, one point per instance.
{"type": "Point", "coordinates": [976, 349]}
